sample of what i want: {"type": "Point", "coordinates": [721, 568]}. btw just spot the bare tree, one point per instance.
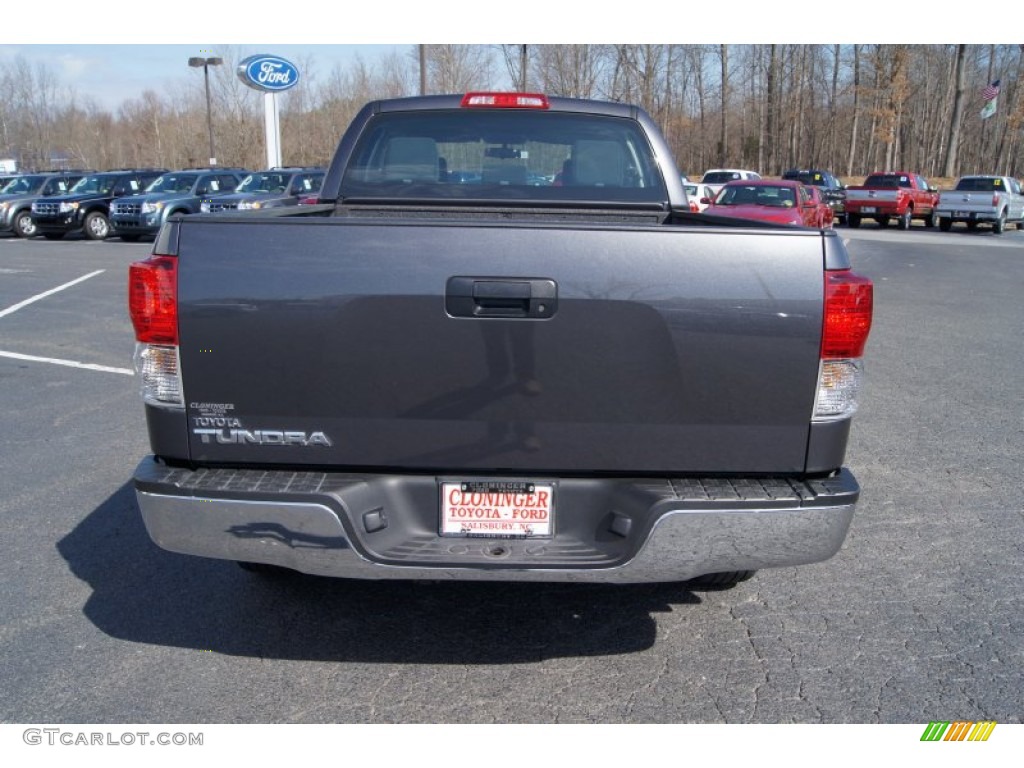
{"type": "Point", "coordinates": [949, 166]}
{"type": "Point", "coordinates": [569, 70]}
{"type": "Point", "coordinates": [516, 60]}
{"type": "Point", "coordinates": [723, 142]}
{"type": "Point", "coordinates": [459, 68]}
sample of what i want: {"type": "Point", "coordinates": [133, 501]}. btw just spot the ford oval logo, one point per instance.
{"type": "Point", "coordinates": [268, 73]}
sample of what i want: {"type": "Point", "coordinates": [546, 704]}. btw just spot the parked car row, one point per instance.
{"type": "Point", "coordinates": [134, 202]}
{"type": "Point", "coordinates": [899, 196]}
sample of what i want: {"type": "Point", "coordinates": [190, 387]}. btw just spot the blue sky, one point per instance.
{"type": "Point", "coordinates": [112, 73]}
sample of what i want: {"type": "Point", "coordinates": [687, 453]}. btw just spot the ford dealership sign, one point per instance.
{"type": "Point", "coordinates": [268, 73]}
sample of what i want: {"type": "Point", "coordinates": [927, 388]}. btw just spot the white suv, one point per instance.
{"type": "Point", "coordinates": [716, 178]}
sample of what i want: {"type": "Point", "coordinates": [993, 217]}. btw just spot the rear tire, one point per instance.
{"type": "Point", "coordinates": [904, 220]}
{"type": "Point", "coordinates": [945, 224]}
{"type": "Point", "coordinates": [723, 580]}
{"type": "Point", "coordinates": [23, 224]}
{"type": "Point", "coordinates": [1000, 225]}
{"type": "Point", "coordinates": [932, 219]}
{"type": "Point", "coordinates": [852, 220]}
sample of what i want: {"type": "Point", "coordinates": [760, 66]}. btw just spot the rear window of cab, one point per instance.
{"type": "Point", "coordinates": [503, 155]}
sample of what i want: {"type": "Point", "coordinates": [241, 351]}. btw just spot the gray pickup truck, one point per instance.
{"type": "Point", "coordinates": [577, 380]}
{"type": "Point", "coordinates": [994, 200]}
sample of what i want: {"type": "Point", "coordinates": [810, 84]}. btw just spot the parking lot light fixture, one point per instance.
{"type": "Point", "coordinates": [206, 63]}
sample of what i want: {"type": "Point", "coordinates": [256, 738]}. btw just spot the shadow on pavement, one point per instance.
{"type": "Point", "coordinates": [144, 594]}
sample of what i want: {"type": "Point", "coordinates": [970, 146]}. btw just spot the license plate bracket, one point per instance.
{"type": "Point", "coordinates": [503, 509]}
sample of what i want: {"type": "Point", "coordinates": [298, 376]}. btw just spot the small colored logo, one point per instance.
{"type": "Point", "coordinates": [958, 730]}
{"type": "Point", "coordinates": [268, 73]}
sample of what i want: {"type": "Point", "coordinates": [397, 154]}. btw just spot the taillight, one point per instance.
{"type": "Point", "coordinates": [153, 306]}
{"type": "Point", "coordinates": [849, 300]}
{"type": "Point", "coordinates": [153, 299]}
{"type": "Point", "coordinates": [848, 310]}
{"type": "Point", "coordinates": [505, 100]}
{"type": "Point", "coordinates": [995, 199]}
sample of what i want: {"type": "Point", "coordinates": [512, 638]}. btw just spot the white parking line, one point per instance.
{"type": "Point", "coordinates": [68, 363]}
{"type": "Point", "coordinates": [50, 292]}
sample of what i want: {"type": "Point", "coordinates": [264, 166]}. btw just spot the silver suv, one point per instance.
{"type": "Point", "coordinates": [18, 194]}
{"type": "Point", "coordinates": [269, 189]}
{"type": "Point", "coordinates": [175, 192]}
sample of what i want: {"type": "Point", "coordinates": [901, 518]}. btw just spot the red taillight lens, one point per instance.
{"type": "Point", "coordinates": [153, 299]}
{"type": "Point", "coordinates": [848, 309]}
{"type": "Point", "coordinates": [506, 100]}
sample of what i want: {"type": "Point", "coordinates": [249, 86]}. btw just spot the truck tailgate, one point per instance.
{"type": "Point", "coordinates": [973, 202]}
{"type": "Point", "coordinates": [573, 348]}
{"type": "Point", "coordinates": [872, 196]}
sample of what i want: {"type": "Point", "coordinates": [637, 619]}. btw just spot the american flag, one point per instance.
{"type": "Point", "coordinates": [990, 91]}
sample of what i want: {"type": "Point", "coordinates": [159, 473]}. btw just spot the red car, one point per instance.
{"type": "Point", "coordinates": [779, 202]}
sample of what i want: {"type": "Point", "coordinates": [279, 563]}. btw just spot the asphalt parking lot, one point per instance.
{"type": "Point", "coordinates": [919, 617]}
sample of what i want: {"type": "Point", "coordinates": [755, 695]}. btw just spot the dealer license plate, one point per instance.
{"type": "Point", "coordinates": [962, 214]}
{"type": "Point", "coordinates": [869, 209]}
{"type": "Point", "coordinates": [497, 509]}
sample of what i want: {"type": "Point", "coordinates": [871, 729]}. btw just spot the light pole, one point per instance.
{"type": "Point", "coordinates": [206, 63]}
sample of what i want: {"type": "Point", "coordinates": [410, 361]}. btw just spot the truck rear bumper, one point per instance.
{"type": "Point", "coordinates": [386, 526]}
{"type": "Point", "coordinates": [868, 210]}
{"type": "Point", "coordinates": [959, 214]}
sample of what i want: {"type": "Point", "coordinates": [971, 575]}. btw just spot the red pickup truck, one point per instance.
{"type": "Point", "coordinates": [895, 194]}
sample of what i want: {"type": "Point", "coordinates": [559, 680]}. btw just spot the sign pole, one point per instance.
{"type": "Point", "coordinates": [272, 123]}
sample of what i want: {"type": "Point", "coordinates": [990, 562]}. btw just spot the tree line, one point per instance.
{"type": "Point", "coordinates": [851, 109]}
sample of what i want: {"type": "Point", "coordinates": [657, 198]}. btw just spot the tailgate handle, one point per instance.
{"type": "Point", "coordinates": [499, 297]}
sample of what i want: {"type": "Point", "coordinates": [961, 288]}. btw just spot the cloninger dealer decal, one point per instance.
{"type": "Point", "coordinates": [497, 509]}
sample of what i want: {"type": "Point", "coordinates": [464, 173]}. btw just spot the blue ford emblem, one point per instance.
{"type": "Point", "coordinates": [268, 73]}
